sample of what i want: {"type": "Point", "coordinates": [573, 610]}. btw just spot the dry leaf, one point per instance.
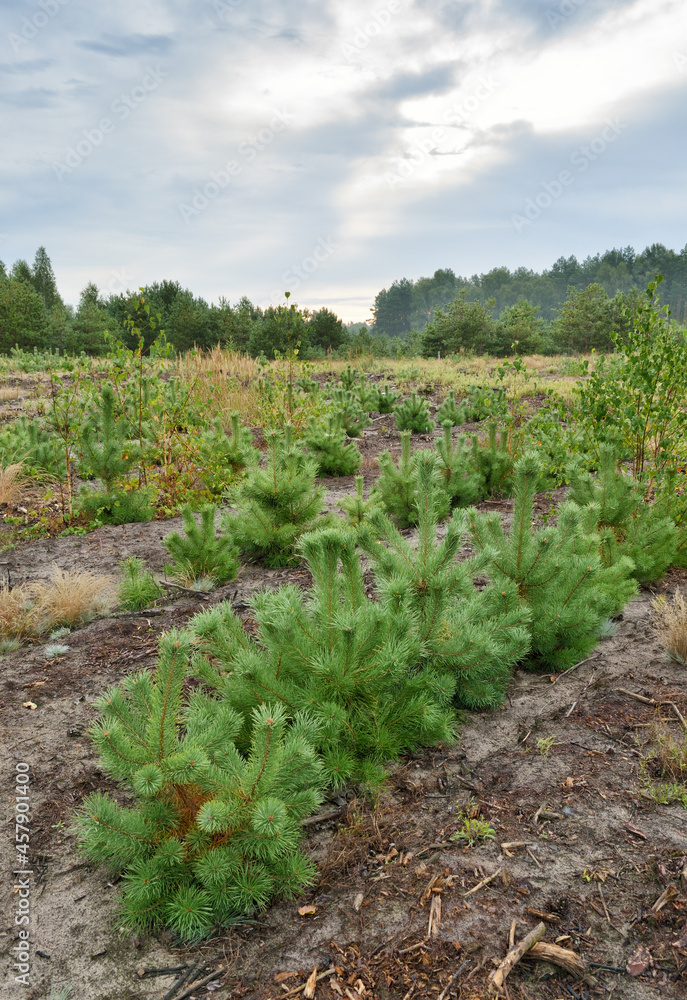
{"type": "Point", "coordinates": [29, 704]}
{"type": "Point", "coordinates": [358, 902]}
{"type": "Point", "coordinates": [307, 911]}
{"type": "Point", "coordinates": [640, 961]}
{"type": "Point", "coordinates": [309, 989]}
{"type": "Point", "coordinates": [281, 976]}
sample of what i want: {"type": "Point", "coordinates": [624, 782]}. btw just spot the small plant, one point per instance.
{"type": "Point", "coordinates": [670, 626]}
{"type": "Point", "coordinates": [493, 461]}
{"type": "Point", "coordinates": [19, 618]}
{"type": "Point", "coordinates": [353, 417]}
{"type": "Point", "coordinates": [545, 745]}
{"type": "Point", "coordinates": [473, 829]}
{"type": "Point", "coordinates": [335, 457]}
{"type": "Point", "coordinates": [121, 506]}
{"type": "Point", "coordinates": [456, 469]}
{"type": "Point", "coordinates": [396, 486]}
{"type": "Point", "coordinates": [9, 645]}
{"type": "Point", "coordinates": [69, 599]}
{"type": "Point", "coordinates": [106, 454]}
{"type": "Point", "coordinates": [413, 415]}
{"type": "Point", "coordinates": [385, 399]}
{"type": "Point", "coordinates": [366, 395]}
{"type": "Point", "coordinates": [54, 650]}
{"type": "Point", "coordinates": [12, 482]}
{"type": "Point", "coordinates": [357, 509]}
{"type": "Point", "coordinates": [138, 588]}
{"type": "Point", "coordinates": [482, 402]}
{"type": "Point", "coordinates": [348, 378]}
{"type": "Point", "coordinates": [224, 455]}
{"type": "Point", "coordinates": [61, 992]}
{"type": "Point", "coordinates": [201, 552]}
{"type": "Point", "coordinates": [664, 768]}
{"type": "Point", "coordinates": [449, 413]}
{"type": "Point", "coordinates": [212, 832]}
{"type": "Point", "coordinates": [277, 504]}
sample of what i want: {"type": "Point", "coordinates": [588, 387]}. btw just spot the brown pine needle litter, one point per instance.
{"type": "Point", "coordinates": [670, 626]}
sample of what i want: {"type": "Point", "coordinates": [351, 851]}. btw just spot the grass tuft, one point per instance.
{"type": "Point", "coordinates": [71, 598]}
{"type": "Point", "coordinates": [670, 626]}
{"type": "Point", "coordinates": [12, 483]}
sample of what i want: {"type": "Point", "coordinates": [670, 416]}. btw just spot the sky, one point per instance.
{"type": "Point", "coordinates": [250, 147]}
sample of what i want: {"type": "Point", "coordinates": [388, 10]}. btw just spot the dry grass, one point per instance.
{"type": "Point", "coordinates": [12, 482]}
{"type": "Point", "coordinates": [670, 626]}
{"type": "Point", "coordinates": [33, 609]}
{"type": "Point", "coordinates": [7, 393]}
{"type": "Point", "coordinates": [223, 381]}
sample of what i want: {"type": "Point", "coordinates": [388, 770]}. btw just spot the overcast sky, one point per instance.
{"type": "Point", "coordinates": [253, 146]}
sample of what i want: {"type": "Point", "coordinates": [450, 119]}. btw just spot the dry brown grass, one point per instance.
{"type": "Point", "coordinates": [71, 598]}
{"type": "Point", "coordinates": [12, 482]}
{"type": "Point", "coordinates": [670, 626]}
{"type": "Point", "coordinates": [223, 381]}
{"type": "Point", "coordinates": [7, 393]}
{"type": "Point", "coordinates": [33, 609]}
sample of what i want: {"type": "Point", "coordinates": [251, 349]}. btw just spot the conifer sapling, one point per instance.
{"type": "Point", "coordinates": [335, 456]}
{"type": "Point", "coordinates": [202, 558]}
{"type": "Point", "coordinates": [413, 415]}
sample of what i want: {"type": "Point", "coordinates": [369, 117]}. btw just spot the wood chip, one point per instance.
{"type": "Point", "coordinates": [665, 897]}
{"type": "Point", "coordinates": [309, 988]}
{"type": "Point", "coordinates": [631, 828]}
{"type": "Point", "coordinates": [307, 911]}
{"type": "Point", "coordinates": [434, 917]}
{"type": "Point", "coordinates": [31, 705]}
{"type": "Point", "coordinates": [550, 918]}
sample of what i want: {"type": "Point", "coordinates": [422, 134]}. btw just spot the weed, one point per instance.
{"type": "Point", "coordinates": [545, 743]}
{"type": "Point", "coordinates": [61, 992]}
{"type": "Point", "coordinates": [473, 829]}
{"type": "Point", "coordinates": [55, 649]}
{"type": "Point", "coordinates": [670, 626]}
{"type": "Point", "coordinates": [664, 769]}
{"type": "Point", "coordinates": [12, 482]}
{"type": "Point", "coordinates": [9, 645]}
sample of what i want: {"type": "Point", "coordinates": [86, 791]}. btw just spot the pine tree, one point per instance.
{"type": "Point", "coordinates": [476, 637]}
{"type": "Point", "coordinates": [335, 653]}
{"type": "Point", "coordinates": [449, 412]}
{"type": "Point", "coordinates": [353, 417]}
{"type": "Point", "coordinates": [629, 526]}
{"type": "Point", "coordinates": [335, 457]}
{"type": "Point", "coordinates": [348, 378]}
{"type": "Point", "coordinates": [385, 399]}
{"type": "Point", "coordinates": [106, 454]}
{"type": "Point", "coordinates": [212, 833]}
{"type": "Point", "coordinates": [413, 415]}
{"type": "Point", "coordinates": [396, 486]}
{"type": "Point", "coordinates": [43, 279]}
{"type": "Point", "coordinates": [458, 475]}
{"type": "Point", "coordinates": [357, 509]}
{"type": "Point", "coordinates": [224, 455]}
{"type": "Point", "coordinates": [556, 571]}
{"type": "Point", "coordinates": [366, 395]}
{"type": "Point", "coordinates": [202, 558]}
{"type": "Point", "coordinates": [277, 504]}
{"type": "Point", "coordinates": [493, 461]}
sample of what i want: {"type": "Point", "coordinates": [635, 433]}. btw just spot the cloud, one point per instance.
{"type": "Point", "coordinates": [128, 46]}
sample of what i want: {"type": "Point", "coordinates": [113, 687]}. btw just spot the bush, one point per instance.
{"type": "Point", "coordinates": [201, 556]}
{"type": "Point", "coordinates": [121, 506]}
{"type": "Point", "coordinates": [456, 469]}
{"type": "Point", "coordinates": [335, 457]}
{"type": "Point", "coordinates": [449, 413]}
{"type": "Point", "coordinates": [212, 832]}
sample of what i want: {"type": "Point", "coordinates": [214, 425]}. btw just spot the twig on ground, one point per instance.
{"type": "Point", "coordinates": [485, 881]}
{"type": "Point", "coordinates": [201, 982]}
{"type": "Point", "coordinates": [515, 954]}
{"type": "Point", "coordinates": [445, 992]}
{"type": "Point", "coordinates": [594, 656]}
{"type": "Point", "coordinates": [185, 590]}
{"type": "Point", "coordinates": [299, 989]}
{"type": "Point", "coordinates": [563, 957]}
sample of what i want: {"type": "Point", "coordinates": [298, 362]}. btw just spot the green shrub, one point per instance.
{"type": "Point", "coordinates": [357, 509]}
{"type": "Point", "coordinates": [493, 462]}
{"type": "Point", "coordinates": [396, 486]}
{"type": "Point", "coordinates": [353, 417]}
{"type": "Point", "coordinates": [449, 413]}
{"type": "Point", "coordinates": [457, 472]}
{"type": "Point", "coordinates": [121, 506]}
{"type": "Point", "coordinates": [413, 415]}
{"type": "Point", "coordinates": [201, 555]}
{"type": "Point", "coordinates": [335, 457]}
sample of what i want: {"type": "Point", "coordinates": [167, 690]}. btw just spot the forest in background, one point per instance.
{"type": "Point", "coordinates": [570, 307]}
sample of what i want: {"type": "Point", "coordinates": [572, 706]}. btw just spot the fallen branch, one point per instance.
{"type": "Point", "coordinates": [485, 881]}
{"type": "Point", "coordinates": [563, 957]}
{"type": "Point", "coordinates": [515, 955]}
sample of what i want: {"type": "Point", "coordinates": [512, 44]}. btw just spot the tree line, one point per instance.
{"type": "Point", "coordinates": [568, 308]}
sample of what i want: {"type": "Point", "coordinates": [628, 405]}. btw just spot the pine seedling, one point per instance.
{"type": "Point", "coordinates": [200, 554]}
{"type": "Point", "coordinates": [448, 412]}
{"type": "Point", "coordinates": [396, 487]}
{"type": "Point", "coordinates": [348, 378]}
{"type": "Point", "coordinates": [483, 402]}
{"type": "Point", "coordinates": [105, 452]}
{"type": "Point", "coordinates": [385, 399]}
{"type": "Point", "coordinates": [338, 655]}
{"type": "Point", "coordinates": [628, 525]}
{"type": "Point", "coordinates": [366, 395]}
{"type": "Point", "coordinates": [277, 504]}
{"type": "Point", "coordinates": [557, 573]}
{"type": "Point", "coordinates": [211, 833]}
{"type": "Point", "coordinates": [458, 476]}
{"type": "Point", "coordinates": [138, 588]}
{"type": "Point", "coordinates": [353, 417]}
{"type": "Point", "coordinates": [493, 461]}
{"type": "Point", "coordinates": [224, 455]}
{"type": "Point", "coordinates": [120, 506]}
{"type": "Point", "coordinates": [475, 637]}
{"type": "Point", "coordinates": [335, 457]}
{"type": "Point", "coordinates": [357, 509]}
{"type": "Point", "coordinates": [413, 415]}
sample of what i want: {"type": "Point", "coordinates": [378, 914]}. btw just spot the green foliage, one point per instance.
{"type": "Point", "coordinates": [224, 456]}
{"type": "Point", "coordinates": [413, 415]}
{"type": "Point", "coordinates": [277, 504]}
{"type": "Point", "coordinates": [201, 555]}
{"type": "Point", "coordinates": [474, 637]}
{"type": "Point", "coordinates": [212, 832]}
{"type": "Point", "coordinates": [464, 325]}
{"type": "Point", "coordinates": [384, 399]}
{"type": "Point", "coordinates": [473, 829]}
{"type": "Point", "coordinates": [106, 454]}
{"type": "Point", "coordinates": [357, 509]}
{"type": "Point", "coordinates": [138, 588]}
{"type": "Point", "coordinates": [449, 413]}
{"type": "Point", "coordinates": [396, 486]}
{"type": "Point", "coordinates": [557, 573]}
{"type": "Point", "coordinates": [120, 506]}
{"type": "Point", "coordinates": [29, 442]}
{"type": "Point", "coordinates": [457, 473]}
{"type": "Point", "coordinates": [636, 400]}
{"type": "Point", "coordinates": [335, 457]}
{"type": "Point", "coordinates": [493, 461]}
{"type": "Point", "coordinates": [349, 378]}
{"type": "Point", "coordinates": [335, 653]}
{"type": "Point", "coordinates": [483, 401]}
{"type": "Point", "coordinates": [628, 525]}
{"type": "Point", "coordinates": [353, 417]}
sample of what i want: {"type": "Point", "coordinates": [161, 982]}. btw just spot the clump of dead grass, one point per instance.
{"type": "Point", "coordinates": [67, 599]}
{"type": "Point", "coordinates": [670, 626]}
{"type": "Point", "coordinates": [664, 768]}
{"type": "Point", "coordinates": [12, 482]}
